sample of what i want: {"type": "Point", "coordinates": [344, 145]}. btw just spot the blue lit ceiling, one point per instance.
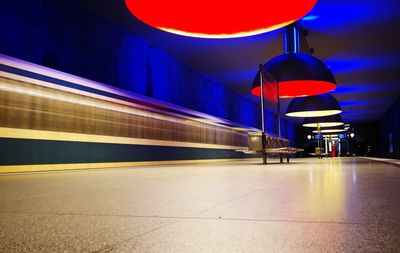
{"type": "Point", "coordinates": [358, 40]}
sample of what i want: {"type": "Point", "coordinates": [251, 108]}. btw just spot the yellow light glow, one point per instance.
{"type": "Point", "coordinates": [15, 86]}
{"type": "Point", "coordinates": [193, 122]}
{"type": "Point", "coordinates": [327, 136]}
{"type": "Point", "coordinates": [255, 133]}
{"type": "Point", "coordinates": [242, 129]}
{"type": "Point", "coordinates": [226, 36]}
{"type": "Point", "coordinates": [17, 133]}
{"type": "Point", "coordinates": [313, 113]}
{"type": "Point", "coordinates": [330, 131]}
{"type": "Point", "coordinates": [324, 124]}
{"type": "Point", "coordinates": [106, 165]}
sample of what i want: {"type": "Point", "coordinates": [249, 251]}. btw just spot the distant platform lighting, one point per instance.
{"type": "Point", "coordinates": [330, 130]}
{"type": "Point", "coordinates": [313, 106]}
{"type": "Point", "coordinates": [219, 19]}
{"type": "Point", "coordinates": [327, 121]}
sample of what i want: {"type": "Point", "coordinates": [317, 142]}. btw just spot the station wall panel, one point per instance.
{"type": "Point", "coordinates": [389, 132]}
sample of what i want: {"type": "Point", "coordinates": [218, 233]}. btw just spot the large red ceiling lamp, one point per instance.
{"type": "Point", "coordinates": [298, 74]}
{"type": "Point", "coordinates": [219, 18]}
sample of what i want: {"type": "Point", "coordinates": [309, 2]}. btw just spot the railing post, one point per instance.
{"type": "Point", "coordinates": [278, 113]}
{"type": "Point", "coordinates": [262, 113]}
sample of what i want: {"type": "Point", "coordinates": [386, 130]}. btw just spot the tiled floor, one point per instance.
{"type": "Point", "coordinates": [309, 205]}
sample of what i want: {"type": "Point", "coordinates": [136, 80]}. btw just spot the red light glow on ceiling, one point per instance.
{"type": "Point", "coordinates": [219, 18]}
{"type": "Point", "coordinates": [301, 88]}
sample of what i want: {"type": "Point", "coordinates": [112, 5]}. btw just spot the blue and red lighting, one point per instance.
{"type": "Point", "coordinates": [219, 19]}
{"type": "Point", "coordinates": [298, 75]}
{"type": "Point", "coordinates": [332, 16]}
{"type": "Point", "coordinates": [299, 88]}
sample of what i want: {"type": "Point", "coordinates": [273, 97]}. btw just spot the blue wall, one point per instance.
{"type": "Point", "coordinates": [390, 124]}
{"type": "Point", "coordinates": [66, 36]}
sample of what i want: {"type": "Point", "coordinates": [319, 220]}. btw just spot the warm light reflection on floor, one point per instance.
{"type": "Point", "coordinates": [327, 188]}
{"type": "Point", "coordinates": [309, 205]}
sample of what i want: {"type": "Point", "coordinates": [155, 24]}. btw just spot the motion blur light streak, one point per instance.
{"type": "Point", "coordinates": [219, 19]}
{"type": "Point", "coordinates": [10, 86]}
{"type": "Point", "coordinates": [61, 81]}
{"type": "Point", "coordinates": [61, 116]}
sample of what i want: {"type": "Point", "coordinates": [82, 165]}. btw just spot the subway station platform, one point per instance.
{"type": "Point", "coordinates": [309, 205]}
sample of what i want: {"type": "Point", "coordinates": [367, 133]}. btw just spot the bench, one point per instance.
{"type": "Point", "coordinates": [273, 145]}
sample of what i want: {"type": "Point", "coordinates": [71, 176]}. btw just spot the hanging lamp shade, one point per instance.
{"type": "Point", "coordinates": [219, 19]}
{"type": "Point", "coordinates": [327, 121]}
{"type": "Point", "coordinates": [298, 75]}
{"type": "Point", "coordinates": [329, 130]}
{"type": "Point", "coordinates": [313, 106]}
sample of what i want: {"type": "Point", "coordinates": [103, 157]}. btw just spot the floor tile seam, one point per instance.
{"type": "Point", "coordinates": [309, 221]}
{"type": "Point", "coordinates": [57, 195]}
{"type": "Point", "coordinates": [39, 231]}
{"type": "Point", "coordinates": [111, 169]}
{"type": "Point", "coordinates": [115, 245]}
{"type": "Point", "coordinates": [381, 161]}
{"type": "Point", "coordinates": [29, 198]}
{"type": "Point", "coordinates": [210, 218]}
{"type": "Point", "coordinates": [123, 168]}
{"type": "Point", "coordinates": [231, 200]}
{"type": "Point", "coordinates": [13, 202]}
{"type": "Point", "coordinates": [109, 247]}
{"type": "Point", "coordinates": [221, 203]}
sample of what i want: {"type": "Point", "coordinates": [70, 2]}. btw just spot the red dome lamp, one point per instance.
{"type": "Point", "coordinates": [298, 75]}
{"type": "Point", "coordinates": [219, 19]}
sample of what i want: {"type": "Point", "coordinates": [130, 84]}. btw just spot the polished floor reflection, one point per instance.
{"type": "Point", "coordinates": [309, 205]}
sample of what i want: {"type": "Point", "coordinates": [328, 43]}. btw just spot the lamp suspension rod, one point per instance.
{"type": "Point", "coordinates": [291, 39]}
